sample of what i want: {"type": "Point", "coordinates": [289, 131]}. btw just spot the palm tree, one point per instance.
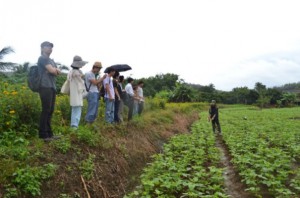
{"type": "Point", "coordinates": [6, 65]}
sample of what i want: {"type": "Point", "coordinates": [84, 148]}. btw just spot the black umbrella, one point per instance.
{"type": "Point", "coordinates": [119, 68]}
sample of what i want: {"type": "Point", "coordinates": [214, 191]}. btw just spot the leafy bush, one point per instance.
{"type": "Point", "coordinates": [29, 179]}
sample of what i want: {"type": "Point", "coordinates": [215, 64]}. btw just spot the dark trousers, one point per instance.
{"type": "Point", "coordinates": [47, 96]}
{"type": "Point", "coordinates": [140, 108]}
{"type": "Point", "coordinates": [116, 116]}
{"type": "Point", "coordinates": [216, 124]}
{"type": "Point", "coordinates": [130, 108]}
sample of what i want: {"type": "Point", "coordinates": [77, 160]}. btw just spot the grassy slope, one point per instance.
{"type": "Point", "coordinates": [109, 160]}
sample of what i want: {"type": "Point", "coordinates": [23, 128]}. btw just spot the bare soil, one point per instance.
{"type": "Point", "coordinates": [117, 167]}
{"type": "Point", "coordinates": [234, 187]}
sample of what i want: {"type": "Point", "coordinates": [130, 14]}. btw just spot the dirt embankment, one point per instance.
{"type": "Point", "coordinates": [117, 164]}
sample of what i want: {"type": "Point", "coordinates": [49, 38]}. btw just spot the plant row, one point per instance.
{"type": "Point", "coordinates": [188, 167]}
{"type": "Point", "coordinates": [265, 147]}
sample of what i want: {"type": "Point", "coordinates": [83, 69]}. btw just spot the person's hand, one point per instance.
{"type": "Point", "coordinates": [58, 71]}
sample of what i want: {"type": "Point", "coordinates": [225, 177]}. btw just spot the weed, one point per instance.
{"type": "Point", "coordinates": [87, 167]}
{"type": "Point", "coordinates": [63, 144]}
{"type": "Point", "coordinates": [29, 179]}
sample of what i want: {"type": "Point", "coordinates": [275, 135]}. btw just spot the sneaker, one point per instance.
{"type": "Point", "coordinates": [56, 137]}
{"type": "Point", "coordinates": [47, 139]}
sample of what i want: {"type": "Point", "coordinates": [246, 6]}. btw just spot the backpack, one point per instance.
{"type": "Point", "coordinates": [34, 78]}
{"type": "Point", "coordinates": [102, 90]}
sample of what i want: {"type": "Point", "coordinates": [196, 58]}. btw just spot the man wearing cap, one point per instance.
{"type": "Point", "coordinates": [77, 89]}
{"type": "Point", "coordinates": [214, 117]}
{"type": "Point", "coordinates": [47, 91]}
{"type": "Point", "coordinates": [92, 80]}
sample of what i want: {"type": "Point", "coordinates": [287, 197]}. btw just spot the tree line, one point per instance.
{"type": "Point", "coordinates": [169, 87]}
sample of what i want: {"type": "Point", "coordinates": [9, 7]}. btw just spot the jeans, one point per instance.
{"type": "Point", "coordinates": [75, 116]}
{"type": "Point", "coordinates": [47, 96]}
{"type": "Point", "coordinates": [92, 109]}
{"type": "Point", "coordinates": [109, 110]}
{"type": "Point", "coordinates": [135, 107]}
{"type": "Point", "coordinates": [141, 107]}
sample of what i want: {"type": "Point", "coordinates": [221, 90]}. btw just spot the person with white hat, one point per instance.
{"type": "Point", "coordinates": [77, 89]}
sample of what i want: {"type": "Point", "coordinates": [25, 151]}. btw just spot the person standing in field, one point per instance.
{"type": "Point", "coordinates": [77, 89]}
{"type": "Point", "coordinates": [109, 96]}
{"type": "Point", "coordinates": [92, 80]}
{"type": "Point", "coordinates": [136, 101]}
{"type": "Point", "coordinates": [117, 96]}
{"type": "Point", "coordinates": [130, 94]}
{"type": "Point", "coordinates": [141, 97]}
{"type": "Point", "coordinates": [47, 90]}
{"type": "Point", "coordinates": [214, 117]}
{"type": "Point", "coordinates": [122, 94]}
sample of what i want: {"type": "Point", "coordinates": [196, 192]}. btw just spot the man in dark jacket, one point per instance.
{"type": "Point", "coordinates": [214, 117]}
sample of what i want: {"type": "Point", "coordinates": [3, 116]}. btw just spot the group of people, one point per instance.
{"type": "Point", "coordinates": [86, 86]}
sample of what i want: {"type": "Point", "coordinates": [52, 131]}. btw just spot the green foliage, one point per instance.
{"type": "Point", "coordinates": [181, 170]}
{"type": "Point", "coordinates": [156, 103]}
{"type": "Point", "coordinates": [63, 144]}
{"type": "Point", "coordinates": [86, 135]}
{"type": "Point", "coordinates": [87, 167]}
{"type": "Point", "coordinates": [264, 146]}
{"type": "Point", "coordinates": [182, 93]}
{"type": "Point", "coordinates": [29, 179]}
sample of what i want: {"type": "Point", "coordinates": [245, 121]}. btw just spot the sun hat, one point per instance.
{"type": "Point", "coordinates": [46, 44]}
{"type": "Point", "coordinates": [78, 62]}
{"type": "Point", "coordinates": [97, 64]}
{"type": "Point", "coordinates": [213, 102]}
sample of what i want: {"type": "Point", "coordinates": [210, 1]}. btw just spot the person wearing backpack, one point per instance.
{"type": "Point", "coordinates": [92, 80]}
{"type": "Point", "coordinates": [47, 90]}
{"type": "Point", "coordinates": [77, 89]}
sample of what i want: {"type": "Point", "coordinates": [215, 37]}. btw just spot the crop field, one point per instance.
{"type": "Point", "coordinates": [263, 147]}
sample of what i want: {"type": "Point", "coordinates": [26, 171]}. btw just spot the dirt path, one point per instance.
{"type": "Point", "coordinates": [234, 187]}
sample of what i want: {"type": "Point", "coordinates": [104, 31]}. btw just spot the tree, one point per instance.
{"type": "Point", "coordinates": [183, 93]}
{"type": "Point", "coordinates": [6, 65]}
{"type": "Point", "coordinates": [241, 95]}
{"type": "Point", "coordinates": [263, 99]}
{"type": "Point", "coordinates": [289, 99]}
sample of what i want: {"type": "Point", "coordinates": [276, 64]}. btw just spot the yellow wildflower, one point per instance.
{"type": "Point", "coordinates": [7, 123]}
{"type": "Point", "coordinates": [14, 93]}
{"type": "Point", "coordinates": [5, 92]}
{"type": "Point", "coordinates": [12, 112]}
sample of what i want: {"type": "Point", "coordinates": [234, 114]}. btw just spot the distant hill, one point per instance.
{"type": "Point", "coordinates": [290, 87]}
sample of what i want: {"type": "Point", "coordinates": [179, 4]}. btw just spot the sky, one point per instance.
{"type": "Point", "coordinates": [229, 43]}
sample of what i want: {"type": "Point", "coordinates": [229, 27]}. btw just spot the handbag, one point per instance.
{"type": "Point", "coordinates": [65, 89]}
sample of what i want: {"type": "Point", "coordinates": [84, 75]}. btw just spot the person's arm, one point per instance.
{"type": "Point", "coordinates": [52, 70]}
{"type": "Point", "coordinates": [98, 81]}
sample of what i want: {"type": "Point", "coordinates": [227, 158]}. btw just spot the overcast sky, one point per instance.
{"type": "Point", "coordinates": [230, 43]}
